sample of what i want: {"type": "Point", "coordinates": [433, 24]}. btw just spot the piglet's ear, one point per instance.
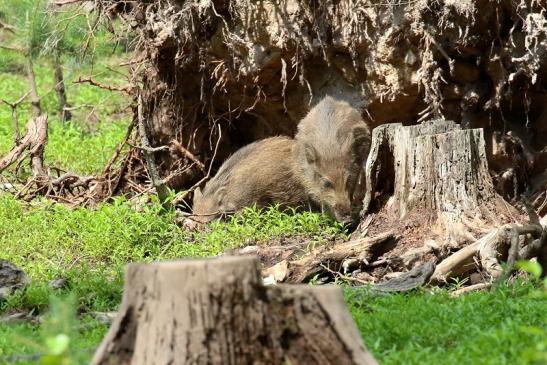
{"type": "Point", "coordinates": [311, 154]}
{"type": "Point", "coordinates": [219, 196]}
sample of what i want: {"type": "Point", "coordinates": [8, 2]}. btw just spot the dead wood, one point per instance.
{"type": "Point", "coordinates": [409, 280]}
{"type": "Point", "coordinates": [65, 186]}
{"type": "Point", "coordinates": [435, 176]}
{"type": "Point", "coordinates": [157, 181]}
{"type": "Point", "coordinates": [183, 152]}
{"type": "Point", "coordinates": [34, 140]}
{"type": "Point", "coordinates": [500, 244]}
{"type": "Point", "coordinates": [128, 89]}
{"type": "Point", "coordinates": [463, 261]}
{"type": "Point", "coordinates": [217, 312]}
{"type": "Point", "coordinates": [363, 250]}
{"type": "Point", "coordinates": [470, 289]}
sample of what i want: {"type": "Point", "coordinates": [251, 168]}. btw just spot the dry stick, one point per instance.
{"type": "Point", "coordinates": [534, 228]}
{"type": "Point", "coordinates": [119, 148]}
{"type": "Point", "coordinates": [516, 232]}
{"type": "Point", "coordinates": [185, 153]}
{"type": "Point", "coordinates": [470, 288]}
{"type": "Point", "coordinates": [13, 107]}
{"type": "Point", "coordinates": [149, 149]}
{"type": "Point", "coordinates": [181, 197]}
{"type": "Point", "coordinates": [8, 27]}
{"type": "Point", "coordinates": [66, 2]}
{"type": "Point", "coordinates": [157, 182]}
{"type": "Point", "coordinates": [344, 277]}
{"type": "Point", "coordinates": [128, 89]}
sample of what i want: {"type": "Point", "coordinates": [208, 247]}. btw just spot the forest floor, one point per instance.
{"type": "Point", "coordinates": [90, 247]}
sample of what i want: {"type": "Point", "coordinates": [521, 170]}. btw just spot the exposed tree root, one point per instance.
{"type": "Point", "coordinates": [50, 182]}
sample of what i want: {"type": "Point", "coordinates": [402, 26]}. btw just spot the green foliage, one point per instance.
{"type": "Point", "coordinates": [91, 246]}
{"type": "Point", "coordinates": [531, 267]}
{"type": "Point", "coordinates": [476, 328]}
{"type": "Point", "coordinates": [62, 339]}
{"type": "Point", "coordinates": [83, 145]}
{"type": "Point", "coordinates": [30, 20]}
{"type": "Point", "coordinates": [43, 30]}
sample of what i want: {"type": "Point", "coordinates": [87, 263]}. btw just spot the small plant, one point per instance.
{"type": "Point", "coordinates": [55, 345]}
{"type": "Point", "coordinates": [457, 283]}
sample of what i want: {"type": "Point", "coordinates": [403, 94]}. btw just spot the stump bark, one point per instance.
{"type": "Point", "coordinates": [218, 312]}
{"type": "Point", "coordinates": [432, 179]}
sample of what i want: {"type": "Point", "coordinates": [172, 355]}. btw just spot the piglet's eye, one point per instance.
{"type": "Point", "coordinates": [327, 184]}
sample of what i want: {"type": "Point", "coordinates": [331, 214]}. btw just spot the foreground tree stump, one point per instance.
{"type": "Point", "coordinates": [432, 179]}
{"type": "Point", "coordinates": [217, 312]}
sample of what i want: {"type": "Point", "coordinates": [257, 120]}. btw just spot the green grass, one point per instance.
{"type": "Point", "coordinates": [505, 326]}
{"type": "Point", "coordinates": [83, 145]}
{"type": "Point", "coordinates": [90, 247]}
{"type": "Point", "coordinates": [24, 343]}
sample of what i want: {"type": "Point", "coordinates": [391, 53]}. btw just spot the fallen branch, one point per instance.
{"type": "Point", "coordinates": [362, 249]}
{"type": "Point", "coordinates": [183, 152]}
{"type": "Point", "coordinates": [470, 288]}
{"type": "Point", "coordinates": [128, 89]}
{"type": "Point", "coordinates": [462, 261]}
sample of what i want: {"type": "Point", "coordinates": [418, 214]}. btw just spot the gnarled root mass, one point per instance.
{"type": "Point", "coordinates": [52, 183]}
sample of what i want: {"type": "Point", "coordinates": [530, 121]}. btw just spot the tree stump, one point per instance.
{"type": "Point", "coordinates": [431, 180]}
{"type": "Point", "coordinates": [218, 312]}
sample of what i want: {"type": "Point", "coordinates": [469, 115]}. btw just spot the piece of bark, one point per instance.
{"type": "Point", "coordinates": [216, 311]}
{"type": "Point", "coordinates": [412, 279]}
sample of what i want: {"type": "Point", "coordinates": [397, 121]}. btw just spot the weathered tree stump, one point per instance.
{"type": "Point", "coordinates": [218, 312]}
{"type": "Point", "coordinates": [432, 179]}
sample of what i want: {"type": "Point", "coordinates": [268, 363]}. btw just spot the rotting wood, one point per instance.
{"type": "Point", "coordinates": [436, 174]}
{"type": "Point", "coordinates": [34, 139]}
{"type": "Point", "coordinates": [216, 311]}
{"type": "Point", "coordinates": [362, 249]}
{"type": "Point", "coordinates": [410, 280]}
